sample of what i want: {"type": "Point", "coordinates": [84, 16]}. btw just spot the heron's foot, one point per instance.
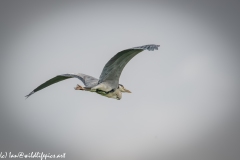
{"type": "Point", "coordinates": [78, 87]}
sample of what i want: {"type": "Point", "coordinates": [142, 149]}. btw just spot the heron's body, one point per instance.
{"type": "Point", "coordinates": [108, 83]}
{"type": "Point", "coordinates": [117, 94]}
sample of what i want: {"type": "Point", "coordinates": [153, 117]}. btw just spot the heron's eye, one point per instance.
{"type": "Point", "coordinates": [121, 85]}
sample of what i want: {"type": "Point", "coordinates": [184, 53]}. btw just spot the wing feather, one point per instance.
{"type": "Point", "coordinates": [114, 67]}
{"type": "Point", "coordinates": [87, 80]}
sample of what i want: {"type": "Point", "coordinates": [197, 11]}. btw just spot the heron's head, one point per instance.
{"type": "Point", "coordinates": [122, 89]}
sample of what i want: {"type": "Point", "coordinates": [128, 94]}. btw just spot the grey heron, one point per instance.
{"type": "Point", "coordinates": [108, 83]}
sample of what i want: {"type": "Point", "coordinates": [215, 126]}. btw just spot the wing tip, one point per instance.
{"type": "Point", "coordinates": [149, 47]}
{"type": "Point", "coordinates": [29, 94]}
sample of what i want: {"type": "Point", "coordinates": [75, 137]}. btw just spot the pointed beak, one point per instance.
{"type": "Point", "coordinates": [127, 91]}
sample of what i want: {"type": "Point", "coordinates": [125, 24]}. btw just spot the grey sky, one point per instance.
{"type": "Point", "coordinates": [185, 96]}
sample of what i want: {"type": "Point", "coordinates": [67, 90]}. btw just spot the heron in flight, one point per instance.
{"type": "Point", "coordinates": [108, 83]}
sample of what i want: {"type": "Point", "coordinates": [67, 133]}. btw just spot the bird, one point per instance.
{"type": "Point", "coordinates": [108, 83]}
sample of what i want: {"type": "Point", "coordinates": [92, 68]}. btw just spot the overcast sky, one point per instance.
{"type": "Point", "coordinates": [185, 96]}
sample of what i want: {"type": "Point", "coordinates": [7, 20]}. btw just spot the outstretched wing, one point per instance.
{"type": "Point", "coordinates": [113, 69]}
{"type": "Point", "coordinates": [87, 80]}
